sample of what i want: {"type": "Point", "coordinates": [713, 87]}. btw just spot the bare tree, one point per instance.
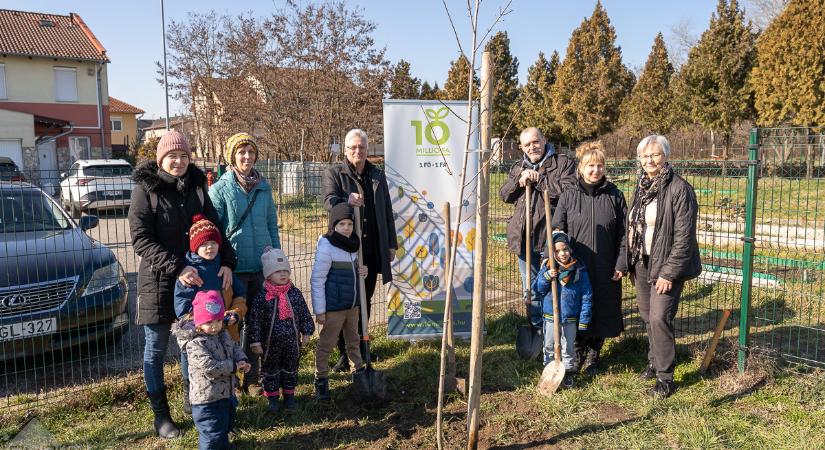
{"type": "Point", "coordinates": [679, 41]}
{"type": "Point", "coordinates": [762, 12]}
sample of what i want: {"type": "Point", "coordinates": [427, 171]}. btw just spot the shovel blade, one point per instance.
{"type": "Point", "coordinates": [371, 384]}
{"type": "Point", "coordinates": [529, 342]}
{"type": "Point", "coordinates": [551, 378]}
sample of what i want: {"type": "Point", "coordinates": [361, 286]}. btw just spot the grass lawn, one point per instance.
{"type": "Point", "coordinates": [763, 409]}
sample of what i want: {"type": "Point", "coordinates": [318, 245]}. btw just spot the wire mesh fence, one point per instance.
{"type": "Point", "coordinates": [68, 272]}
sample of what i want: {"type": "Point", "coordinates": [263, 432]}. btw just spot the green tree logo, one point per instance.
{"type": "Point", "coordinates": [433, 122]}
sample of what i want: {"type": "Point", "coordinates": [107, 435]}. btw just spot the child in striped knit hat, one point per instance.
{"type": "Point", "coordinates": [204, 243]}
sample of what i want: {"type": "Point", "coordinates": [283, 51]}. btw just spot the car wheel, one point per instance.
{"type": "Point", "coordinates": [74, 209]}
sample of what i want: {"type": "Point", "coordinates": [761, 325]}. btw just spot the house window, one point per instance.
{"type": "Point", "coordinates": [65, 84]}
{"type": "Point", "coordinates": [117, 124]}
{"type": "Point", "coordinates": [3, 82]}
{"type": "Point", "coordinates": [79, 147]}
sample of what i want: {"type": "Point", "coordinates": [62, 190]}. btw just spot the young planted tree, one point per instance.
{"type": "Point", "coordinates": [403, 84]}
{"type": "Point", "coordinates": [457, 85]}
{"type": "Point", "coordinates": [505, 74]}
{"type": "Point", "coordinates": [592, 80]}
{"type": "Point", "coordinates": [716, 72]}
{"type": "Point", "coordinates": [649, 108]}
{"type": "Point", "coordinates": [535, 105]}
{"type": "Point", "coordinates": [789, 77]}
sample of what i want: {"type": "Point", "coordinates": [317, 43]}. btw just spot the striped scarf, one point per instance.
{"type": "Point", "coordinates": [247, 182]}
{"type": "Point", "coordinates": [567, 272]}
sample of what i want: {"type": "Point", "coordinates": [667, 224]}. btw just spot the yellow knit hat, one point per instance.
{"type": "Point", "coordinates": [235, 142]}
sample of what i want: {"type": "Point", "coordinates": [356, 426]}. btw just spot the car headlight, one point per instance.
{"type": "Point", "coordinates": [103, 278]}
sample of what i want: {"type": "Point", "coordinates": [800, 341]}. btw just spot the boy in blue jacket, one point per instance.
{"type": "Point", "coordinates": [575, 300]}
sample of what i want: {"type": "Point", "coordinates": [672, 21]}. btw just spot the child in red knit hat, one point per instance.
{"type": "Point", "coordinates": [204, 243]}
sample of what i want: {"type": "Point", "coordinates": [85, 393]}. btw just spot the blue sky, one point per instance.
{"type": "Point", "coordinates": [417, 31]}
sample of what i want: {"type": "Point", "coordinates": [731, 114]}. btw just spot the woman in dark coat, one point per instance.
{"type": "Point", "coordinates": [662, 254]}
{"type": "Point", "coordinates": [168, 192]}
{"type": "Point", "coordinates": [593, 215]}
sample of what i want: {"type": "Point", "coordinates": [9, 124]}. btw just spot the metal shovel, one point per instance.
{"type": "Point", "coordinates": [553, 372]}
{"type": "Point", "coordinates": [529, 341]}
{"type": "Point", "coordinates": [371, 383]}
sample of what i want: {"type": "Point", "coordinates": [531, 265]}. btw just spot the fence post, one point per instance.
{"type": "Point", "coordinates": [749, 243]}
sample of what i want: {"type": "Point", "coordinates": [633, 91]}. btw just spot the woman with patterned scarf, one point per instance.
{"type": "Point", "coordinates": [662, 254]}
{"type": "Point", "coordinates": [249, 217]}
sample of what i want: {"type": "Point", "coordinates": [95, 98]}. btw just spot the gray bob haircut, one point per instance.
{"type": "Point", "coordinates": [357, 132]}
{"type": "Point", "coordinates": [654, 140]}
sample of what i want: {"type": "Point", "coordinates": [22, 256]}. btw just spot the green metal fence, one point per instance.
{"type": "Point", "coordinates": [761, 233]}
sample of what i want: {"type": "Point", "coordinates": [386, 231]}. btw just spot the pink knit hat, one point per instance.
{"type": "Point", "coordinates": [208, 306]}
{"type": "Point", "coordinates": [172, 140]}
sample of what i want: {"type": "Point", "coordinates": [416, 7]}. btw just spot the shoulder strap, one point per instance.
{"type": "Point", "coordinates": [271, 326]}
{"type": "Point", "coordinates": [153, 201]}
{"type": "Point", "coordinates": [244, 215]}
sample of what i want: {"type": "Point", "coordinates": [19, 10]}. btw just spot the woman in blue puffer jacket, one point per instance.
{"type": "Point", "coordinates": [249, 229]}
{"type": "Point", "coordinates": [575, 302]}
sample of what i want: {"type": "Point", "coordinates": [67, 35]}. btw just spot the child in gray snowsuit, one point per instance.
{"type": "Point", "coordinates": [214, 357]}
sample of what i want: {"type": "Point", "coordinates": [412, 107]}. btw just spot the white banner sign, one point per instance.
{"type": "Point", "coordinates": [423, 155]}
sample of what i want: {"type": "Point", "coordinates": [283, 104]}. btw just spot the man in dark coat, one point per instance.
{"type": "Point", "coordinates": [547, 171]}
{"type": "Point", "coordinates": [168, 192]}
{"type": "Point", "coordinates": [342, 183]}
{"type": "Point", "coordinates": [593, 215]}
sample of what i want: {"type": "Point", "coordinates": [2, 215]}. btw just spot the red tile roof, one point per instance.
{"type": "Point", "coordinates": [119, 106]}
{"type": "Point", "coordinates": [49, 35]}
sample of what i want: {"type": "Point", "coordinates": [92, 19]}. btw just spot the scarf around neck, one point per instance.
{"type": "Point", "coordinates": [247, 182]}
{"type": "Point", "coordinates": [279, 291]}
{"type": "Point", "coordinates": [646, 191]}
{"type": "Point", "coordinates": [348, 244]}
{"type": "Point", "coordinates": [179, 182]}
{"type": "Point", "coordinates": [567, 272]}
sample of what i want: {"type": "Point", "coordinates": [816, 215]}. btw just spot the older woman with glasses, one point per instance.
{"type": "Point", "coordinates": [662, 253]}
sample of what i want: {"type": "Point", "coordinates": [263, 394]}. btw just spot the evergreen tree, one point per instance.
{"type": "Point", "coordinates": [505, 74]}
{"type": "Point", "coordinates": [456, 86]}
{"type": "Point", "coordinates": [717, 70]}
{"type": "Point", "coordinates": [402, 83]}
{"type": "Point", "coordinates": [428, 92]}
{"type": "Point", "coordinates": [592, 81]}
{"type": "Point", "coordinates": [649, 107]}
{"type": "Point", "coordinates": [535, 105]}
{"type": "Point", "coordinates": [789, 77]}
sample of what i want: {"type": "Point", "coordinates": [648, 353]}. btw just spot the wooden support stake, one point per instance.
{"type": "Point", "coordinates": [480, 254]}
{"type": "Point", "coordinates": [717, 333]}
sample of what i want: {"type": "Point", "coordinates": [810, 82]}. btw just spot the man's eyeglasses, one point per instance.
{"type": "Point", "coordinates": [355, 147]}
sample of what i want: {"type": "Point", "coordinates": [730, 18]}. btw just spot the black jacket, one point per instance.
{"type": "Point", "coordinates": [596, 226]}
{"type": "Point", "coordinates": [340, 181]}
{"type": "Point", "coordinates": [674, 253]}
{"type": "Point", "coordinates": [556, 173]}
{"type": "Point", "coordinates": [161, 239]}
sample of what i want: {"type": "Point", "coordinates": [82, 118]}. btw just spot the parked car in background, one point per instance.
{"type": "Point", "coordinates": [59, 288]}
{"type": "Point", "coordinates": [9, 170]}
{"type": "Point", "coordinates": [96, 184]}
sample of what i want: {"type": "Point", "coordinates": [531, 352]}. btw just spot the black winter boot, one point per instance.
{"type": "Point", "coordinates": [662, 389]}
{"type": "Point", "coordinates": [322, 389]}
{"type": "Point", "coordinates": [164, 427]}
{"type": "Point", "coordinates": [274, 405]}
{"type": "Point", "coordinates": [591, 363]}
{"type": "Point", "coordinates": [649, 373]}
{"type": "Point", "coordinates": [187, 406]}
{"type": "Point", "coordinates": [289, 403]}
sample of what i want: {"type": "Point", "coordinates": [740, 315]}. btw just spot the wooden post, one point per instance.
{"type": "Point", "coordinates": [480, 254]}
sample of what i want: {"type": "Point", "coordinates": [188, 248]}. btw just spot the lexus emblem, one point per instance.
{"type": "Point", "coordinates": [12, 301]}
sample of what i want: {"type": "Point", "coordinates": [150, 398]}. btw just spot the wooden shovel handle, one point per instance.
{"type": "Point", "coordinates": [528, 248]}
{"type": "Point", "coordinates": [553, 283]}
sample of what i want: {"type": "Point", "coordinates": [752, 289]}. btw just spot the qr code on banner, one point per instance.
{"type": "Point", "coordinates": [412, 310]}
